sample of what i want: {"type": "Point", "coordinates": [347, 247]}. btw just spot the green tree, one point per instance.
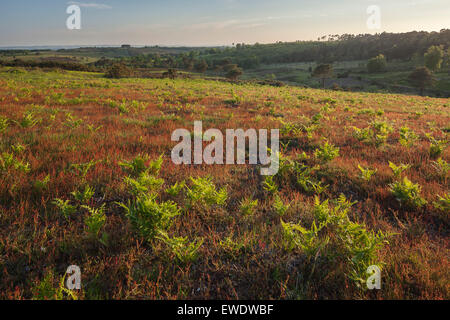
{"type": "Point", "coordinates": [170, 73]}
{"type": "Point", "coordinates": [201, 66]}
{"type": "Point", "coordinates": [377, 64]}
{"type": "Point", "coordinates": [446, 63]}
{"type": "Point", "coordinates": [234, 73]}
{"type": "Point", "coordinates": [323, 71]}
{"type": "Point", "coordinates": [228, 67]}
{"type": "Point", "coordinates": [421, 78]}
{"type": "Point", "coordinates": [434, 57]}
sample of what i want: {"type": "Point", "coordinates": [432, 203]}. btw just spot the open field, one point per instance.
{"type": "Point", "coordinates": [395, 79]}
{"type": "Point", "coordinates": [72, 136]}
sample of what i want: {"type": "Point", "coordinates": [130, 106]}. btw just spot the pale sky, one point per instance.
{"type": "Point", "coordinates": [208, 22]}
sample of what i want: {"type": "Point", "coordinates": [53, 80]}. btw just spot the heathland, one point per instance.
{"type": "Point", "coordinates": [87, 180]}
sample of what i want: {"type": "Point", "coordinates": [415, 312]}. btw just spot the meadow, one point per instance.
{"type": "Point", "coordinates": [87, 180]}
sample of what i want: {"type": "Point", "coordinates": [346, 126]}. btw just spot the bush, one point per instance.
{"type": "Point", "coordinates": [377, 64]}
{"type": "Point", "coordinates": [434, 58]}
{"type": "Point", "coordinates": [323, 71]}
{"type": "Point", "coordinates": [234, 73]}
{"type": "Point", "coordinates": [170, 73]}
{"type": "Point", "coordinates": [118, 71]}
{"type": "Point", "coordinates": [421, 78]}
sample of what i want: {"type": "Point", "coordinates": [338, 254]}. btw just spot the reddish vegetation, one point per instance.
{"type": "Point", "coordinates": [121, 119]}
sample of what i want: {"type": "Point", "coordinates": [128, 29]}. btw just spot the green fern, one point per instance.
{"type": "Point", "coordinates": [65, 208]}
{"type": "Point", "coordinates": [366, 173]}
{"type": "Point", "coordinates": [149, 217]}
{"type": "Point", "coordinates": [407, 193]}
{"type": "Point", "coordinates": [203, 191]}
{"type": "Point", "coordinates": [183, 250]}
{"type": "Point", "coordinates": [247, 207]}
{"type": "Point", "coordinates": [95, 220]}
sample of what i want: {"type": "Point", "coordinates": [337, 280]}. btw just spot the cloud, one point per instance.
{"type": "Point", "coordinates": [233, 24]}
{"type": "Point", "coordinates": [90, 5]}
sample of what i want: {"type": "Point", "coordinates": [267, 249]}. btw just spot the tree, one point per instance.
{"type": "Point", "coordinates": [229, 67]}
{"type": "Point", "coordinates": [117, 71]}
{"type": "Point", "coordinates": [202, 66]}
{"type": "Point", "coordinates": [323, 71]}
{"type": "Point", "coordinates": [188, 64]}
{"type": "Point", "coordinates": [421, 78]}
{"type": "Point", "coordinates": [377, 64]}
{"type": "Point", "coordinates": [170, 73]}
{"type": "Point", "coordinates": [434, 57]}
{"type": "Point", "coordinates": [234, 73]}
{"type": "Point", "coordinates": [446, 63]}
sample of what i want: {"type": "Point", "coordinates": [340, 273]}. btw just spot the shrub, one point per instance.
{"type": "Point", "coordinates": [434, 58]}
{"type": "Point", "coordinates": [323, 71]}
{"type": "Point", "coordinates": [171, 73]}
{"type": "Point", "coordinates": [421, 78]}
{"type": "Point", "coordinates": [118, 71]}
{"type": "Point", "coordinates": [18, 148]}
{"type": "Point", "coordinates": [377, 64]}
{"type": "Point", "coordinates": [234, 73]}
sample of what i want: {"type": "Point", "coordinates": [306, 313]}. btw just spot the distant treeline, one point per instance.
{"type": "Point", "coordinates": [74, 66]}
{"type": "Point", "coordinates": [402, 46]}
{"type": "Point", "coordinates": [347, 47]}
{"type": "Point", "coordinates": [334, 48]}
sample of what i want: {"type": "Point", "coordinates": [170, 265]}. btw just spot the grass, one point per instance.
{"type": "Point", "coordinates": [84, 183]}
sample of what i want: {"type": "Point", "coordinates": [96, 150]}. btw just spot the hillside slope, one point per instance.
{"type": "Point", "coordinates": [73, 132]}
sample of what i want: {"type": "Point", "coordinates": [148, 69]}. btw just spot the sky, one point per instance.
{"type": "Point", "coordinates": [208, 22]}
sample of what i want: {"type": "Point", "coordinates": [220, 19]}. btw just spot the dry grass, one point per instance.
{"type": "Point", "coordinates": [82, 118]}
